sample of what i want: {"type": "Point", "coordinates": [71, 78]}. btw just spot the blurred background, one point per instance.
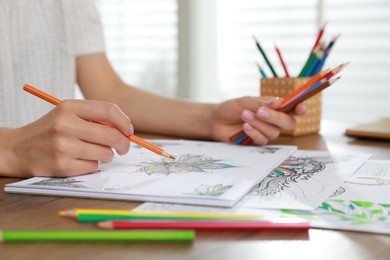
{"type": "Point", "coordinates": [203, 49]}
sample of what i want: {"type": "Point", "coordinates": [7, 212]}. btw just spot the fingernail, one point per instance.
{"type": "Point", "coordinates": [247, 127]}
{"type": "Point", "coordinates": [267, 100]}
{"type": "Point", "coordinates": [248, 115]}
{"type": "Point", "coordinates": [263, 112]}
{"type": "Point", "coordinates": [131, 129]}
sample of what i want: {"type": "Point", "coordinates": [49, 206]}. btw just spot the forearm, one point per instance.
{"type": "Point", "coordinates": [147, 111]}
{"type": "Point", "coordinates": [161, 115]}
{"type": "Point", "coordinates": [8, 158]}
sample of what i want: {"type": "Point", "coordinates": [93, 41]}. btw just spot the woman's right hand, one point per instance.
{"type": "Point", "coordinates": [66, 141]}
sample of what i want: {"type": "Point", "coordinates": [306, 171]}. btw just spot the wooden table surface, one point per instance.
{"type": "Point", "coordinates": [40, 212]}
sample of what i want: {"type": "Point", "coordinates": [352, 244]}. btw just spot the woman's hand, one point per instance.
{"type": "Point", "coordinates": [65, 142]}
{"type": "Point", "coordinates": [257, 116]}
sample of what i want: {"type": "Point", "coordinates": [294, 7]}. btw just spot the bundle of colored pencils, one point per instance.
{"type": "Point", "coordinates": [313, 68]}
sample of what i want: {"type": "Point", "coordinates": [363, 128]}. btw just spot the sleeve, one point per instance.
{"type": "Point", "coordinates": [83, 27]}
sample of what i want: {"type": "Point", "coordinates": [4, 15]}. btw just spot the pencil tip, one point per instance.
{"type": "Point", "coordinates": [68, 213]}
{"type": "Point", "coordinates": [164, 153]}
{"type": "Point", "coordinates": [104, 225]}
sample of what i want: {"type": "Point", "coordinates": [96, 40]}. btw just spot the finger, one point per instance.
{"type": "Point", "coordinates": [271, 132]}
{"type": "Point", "coordinates": [300, 109]}
{"type": "Point", "coordinates": [72, 167]}
{"type": "Point", "coordinates": [253, 103]}
{"type": "Point", "coordinates": [257, 137]}
{"type": "Point", "coordinates": [81, 167]}
{"type": "Point", "coordinates": [99, 111]}
{"type": "Point", "coordinates": [101, 135]}
{"type": "Point", "coordinates": [278, 119]}
{"type": "Point", "coordinates": [94, 152]}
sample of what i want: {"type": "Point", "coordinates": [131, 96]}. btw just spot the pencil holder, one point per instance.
{"type": "Point", "coordinates": [309, 123]}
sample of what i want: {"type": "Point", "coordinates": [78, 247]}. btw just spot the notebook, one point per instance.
{"type": "Point", "coordinates": [204, 173]}
{"type": "Point", "coordinates": [379, 129]}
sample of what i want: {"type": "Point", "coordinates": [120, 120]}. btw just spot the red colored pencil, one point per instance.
{"type": "Point", "coordinates": [282, 61]}
{"type": "Point", "coordinates": [206, 225]}
{"type": "Point", "coordinates": [319, 36]}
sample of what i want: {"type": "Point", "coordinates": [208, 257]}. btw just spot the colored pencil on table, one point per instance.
{"type": "Point", "coordinates": [97, 236]}
{"type": "Point", "coordinates": [282, 61]}
{"type": "Point", "coordinates": [96, 215]}
{"type": "Point", "coordinates": [205, 225]}
{"type": "Point", "coordinates": [141, 142]}
{"type": "Point", "coordinates": [261, 70]}
{"type": "Point", "coordinates": [265, 57]}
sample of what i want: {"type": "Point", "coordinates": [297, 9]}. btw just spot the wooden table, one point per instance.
{"type": "Point", "coordinates": [40, 212]}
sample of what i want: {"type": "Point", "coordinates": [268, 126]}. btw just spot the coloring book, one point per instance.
{"type": "Point", "coordinates": [204, 173]}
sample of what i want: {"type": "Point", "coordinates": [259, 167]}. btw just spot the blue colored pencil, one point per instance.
{"type": "Point", "coordinates": [326, 55]}
{"type": "Point", "coordinates": [261, 70]}
{"type": "Point", "coordinates": [315, 62]}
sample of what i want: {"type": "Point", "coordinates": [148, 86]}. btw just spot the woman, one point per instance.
{"type": "Point", "coordinates": [54, 44]}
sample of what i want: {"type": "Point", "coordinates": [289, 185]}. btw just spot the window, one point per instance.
{"type": "Point", "coordinates": [362, 94]}
{"type": "Point", "coordinates": [207, 46]}
{"type": "Point", "coordinates": [141, 42]}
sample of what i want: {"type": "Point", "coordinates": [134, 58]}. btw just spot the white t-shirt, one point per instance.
{"type": "Point", "coordinates": [39, 43]}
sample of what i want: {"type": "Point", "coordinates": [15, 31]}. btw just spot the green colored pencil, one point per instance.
{"type": "Point", "coordinates": [97, 236]}
{"type": "Point", "coordinates": [265, 57]}
{"type": "Point", "coordinates": [310, 61]}
{"type": "Point", "coordinates": [104, 217]}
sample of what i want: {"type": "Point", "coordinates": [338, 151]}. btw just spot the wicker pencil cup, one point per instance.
{"type": "Point", "coordinates": [309, 123]}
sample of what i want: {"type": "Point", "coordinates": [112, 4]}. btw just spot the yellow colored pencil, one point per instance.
{"type": "Point", "coordinates": [73, 213]}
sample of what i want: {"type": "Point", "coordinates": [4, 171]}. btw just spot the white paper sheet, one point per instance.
{"type": "Point", "coordinates": [370, 183]}
{"type": "Point", "coordinates": [304, 181]}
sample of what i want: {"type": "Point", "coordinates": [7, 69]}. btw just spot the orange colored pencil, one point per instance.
{"type": "Point", "coordinates": [133, 138]}
{"type": "Point", "coordinates": [307, 85]}
{"type": "Point", "coordinates": [319, 76]}
{"type": "Point", "coordinates": [324, 84]}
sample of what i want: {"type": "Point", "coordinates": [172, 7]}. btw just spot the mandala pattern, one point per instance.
{"type": "Point", "coordinates": [294, 169]}
{"type": "Point", "coordinates": [184, 164]}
